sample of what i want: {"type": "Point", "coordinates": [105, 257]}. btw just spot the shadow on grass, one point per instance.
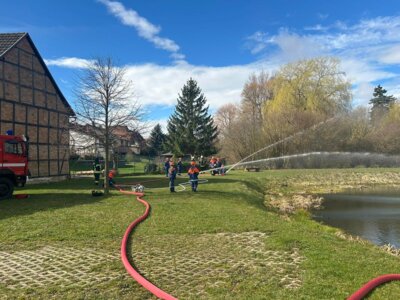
{"type": "Point", "coordinates": [87, 183]}
{"type": "Point", "coordinates": [45, 202]}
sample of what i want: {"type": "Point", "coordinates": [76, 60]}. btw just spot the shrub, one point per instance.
{"type": "Point", "coordinates": [150, 168]}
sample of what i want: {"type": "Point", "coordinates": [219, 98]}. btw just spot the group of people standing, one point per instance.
{"type": "Point", "coordinates": [216, 166]}
{"type": "Point", "coordinates": [98, 170]}
{"type": "Point", "coordinates": [171, 171]}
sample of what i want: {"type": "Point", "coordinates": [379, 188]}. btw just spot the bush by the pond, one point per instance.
{"type": "Point", "coordinates": [290, 204]}
{"type": "Point", "coordinates": [151, 168]}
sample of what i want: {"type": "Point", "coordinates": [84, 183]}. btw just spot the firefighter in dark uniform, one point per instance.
{"type": "Point", "coordinates": [179, 166]}
{"type": "Point", "coordinates": [166, 166]}
{"type": "Point", "coordinates": [172, 176]}
{"type": "Point", "coordinates": [96, 170]}
{"type": "Point", "coordinates": [193, 173]}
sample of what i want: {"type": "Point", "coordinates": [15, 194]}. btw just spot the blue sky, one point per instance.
{"type": "Point", "coordinates": [218, 43]}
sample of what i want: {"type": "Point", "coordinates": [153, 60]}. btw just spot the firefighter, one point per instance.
{"type": "Point", "coordinates": [218, 165]}
{"type": "Point", "coordinates": [212, 165]}
{"type": "Point", "coordinates": [96, 170]}
{"type": "Point", "coordinates": [179, 166]}
{"type": "Point", "coordinates": [193, 173]}
{"type": "Point", "coordinates": [166, 166]}
{"type": "Point", "coordinates": [172, 176]}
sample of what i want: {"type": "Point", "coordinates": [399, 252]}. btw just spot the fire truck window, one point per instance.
{"type": "Point", "coordinates": [13, 148]}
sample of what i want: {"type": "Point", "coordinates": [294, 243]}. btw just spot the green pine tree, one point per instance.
{"type": "Point", "coordinates": [156, 141]}
{"type": "Point", "coordinates": [191, 129]}
{"type": "Point", "coordinates": [380, 104]}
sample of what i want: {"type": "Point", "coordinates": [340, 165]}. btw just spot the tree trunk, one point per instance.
{"type": "Point", "coordinates": [107, 156]}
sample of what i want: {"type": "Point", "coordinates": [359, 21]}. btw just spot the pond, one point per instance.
{"type": "Point", "coordinates": [373, 214]}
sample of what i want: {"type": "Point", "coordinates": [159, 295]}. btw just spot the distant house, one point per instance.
{"type": "Point", "coordinates": [127, 141]}
{"type": "Point", "coordinates": [83, 141]}
{"type": "Point", "coordinates": [32, 104]}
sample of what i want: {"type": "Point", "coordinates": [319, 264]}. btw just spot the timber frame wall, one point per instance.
{"type": "Point", "coordinates": [32, 104]}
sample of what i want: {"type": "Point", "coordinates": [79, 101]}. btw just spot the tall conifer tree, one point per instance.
{"type": "Point", "coordinates": [156, 140]}
{"type": "Point", "coordinates": [380, 104]}
{"type": "Point", "coordinates": [191, 129]}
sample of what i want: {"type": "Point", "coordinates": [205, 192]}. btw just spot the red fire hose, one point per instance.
{"type": "Point", "coordinates": [370, 285]}
{"type": "Point", "coordinates": [159, 293]}
{"type": "Point", "coordinates": [358, 295]}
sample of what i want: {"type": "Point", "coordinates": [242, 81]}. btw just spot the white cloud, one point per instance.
{"type": "Point", "coordinates": [359, 71]}
{"type": "Point", "coordinates": [257, 42]}
{"type": "Point", "coordinates": [69, 62]}
{"type": "Point", "coordinates": [317, 27]}
{"type": "Point", "coordinates": [337, 37]}
{"type": "Point", "coordinates": [364, 93]}
{"type": "Point", "coordinates": [160, 85]}
{"type": "Point", "coordinates": [294, 47]}
{"type": "Point", "coordinates": [144, 28]}
{"type": "Point", "coordinates": [367, 49]}
{"type": "Point", "coordinates": [391, 55]}
{"type": "Point", "coordinates": [322, 16]}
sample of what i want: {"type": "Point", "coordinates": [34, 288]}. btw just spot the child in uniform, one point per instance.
{"type": "Point", "coordinates": [172, 176]}
{"type": "Point", "coordinates": [193, 173]}
{"type": "Point", "coordinates": [111, 175]}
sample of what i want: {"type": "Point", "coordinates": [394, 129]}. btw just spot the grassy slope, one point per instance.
{"type": "Point", "coordinates": [64, 214]}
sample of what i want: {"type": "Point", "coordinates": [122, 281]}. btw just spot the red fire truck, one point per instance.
{"type": "Point", "coordinates": [13, 163]}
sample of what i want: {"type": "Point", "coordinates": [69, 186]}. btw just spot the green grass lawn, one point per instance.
{"type": "Point", "coordinates": [135, 167]}
{"type": "Point", "coordinates": [224, 242]}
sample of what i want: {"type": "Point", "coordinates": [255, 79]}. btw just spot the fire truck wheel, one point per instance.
{"type": "Point", "coordinates": [6, 188]}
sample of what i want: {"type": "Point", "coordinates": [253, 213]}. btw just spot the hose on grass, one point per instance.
{"type": "Point", "coordinates": [370, 285]}
{"type": "Point", "coordinates": [183, 184]}
{"type": "Point", "coordinates": [159, 293]}
{"type": "Point", "coordinates": [358, 295]}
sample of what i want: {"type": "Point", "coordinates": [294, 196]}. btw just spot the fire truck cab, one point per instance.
{"type": "Point", "coordinates": [13, 163]}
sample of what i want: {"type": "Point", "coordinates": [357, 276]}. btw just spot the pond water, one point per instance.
{"type": "Point", "coordinates": [373, 214]}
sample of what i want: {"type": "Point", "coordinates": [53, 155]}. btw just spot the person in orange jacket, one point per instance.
{"type": "Point", "coordinates": [111, 175]}
{"type": "Point", "coordinates": [193, 173]}
{"type": "Point", "coordinates": [213, 164]}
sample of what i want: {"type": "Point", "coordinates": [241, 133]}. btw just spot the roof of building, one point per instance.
{"type": "Point", "coordinates": [9, 40]}
{"type": "Point", "coordinates": [122, 132]}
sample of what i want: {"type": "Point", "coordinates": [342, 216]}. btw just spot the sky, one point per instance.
{"type": "Point", "coordinates": [219, 43]}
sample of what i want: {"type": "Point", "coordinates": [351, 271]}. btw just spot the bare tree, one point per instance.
{"type": "Point", "coordinates": [225, 117]}
{"type": "Point", "coordinates": [105, 100]}
{"type": "Point", "coordinates": [257, 91]}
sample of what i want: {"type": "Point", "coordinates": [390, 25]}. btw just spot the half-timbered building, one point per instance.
{"type": "Point", "coordinates": [32, 104]}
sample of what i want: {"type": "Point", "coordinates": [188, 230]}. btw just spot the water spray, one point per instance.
{"type": "Point", "coordinates": [308, 154]}
{"type": "Point", "coordinates": [282, 141]}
